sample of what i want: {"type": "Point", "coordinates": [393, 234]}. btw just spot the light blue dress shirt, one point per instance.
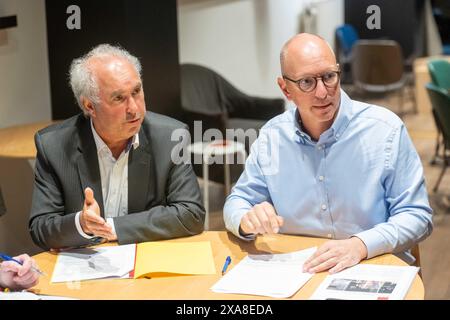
{"type": "Point", "coordinates": [363, 178]}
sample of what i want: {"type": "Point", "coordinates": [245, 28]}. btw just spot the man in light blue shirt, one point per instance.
{"type": "Point", "coordinates": [331, 167]}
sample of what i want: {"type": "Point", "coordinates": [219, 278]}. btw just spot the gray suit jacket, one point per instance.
{"type": "Point", "coordinates": [164, 198]}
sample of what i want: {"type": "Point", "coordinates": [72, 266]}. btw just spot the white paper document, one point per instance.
{"type": "Point", "coordinates": [367, 282]}
{"type": "Point", "coordinates": [88, 263]}
{"type": "Point", "coordinates": [273, 275]}
{"type": "Point", "coordinates": [24, 295]}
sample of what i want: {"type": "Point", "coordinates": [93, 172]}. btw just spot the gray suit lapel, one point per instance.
{"type": "Point", "coordinates": [87, 163]}
{"type": "Point", "coordinates": [141, 175]}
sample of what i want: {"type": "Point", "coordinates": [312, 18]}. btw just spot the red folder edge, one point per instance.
{"type": "Point", "coordinates": [131, 274]}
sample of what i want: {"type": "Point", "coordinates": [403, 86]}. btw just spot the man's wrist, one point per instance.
{"type": "Point", "coordinates": [80, 228]}
{"type": "Point", "coordinates": [6, 284]}
{"type": "Point", "coordinates": [362, 247]}
{"type": "Point", "coordinates": [3, 285]}
{"type": "Point", "coordinates": [242, 233]}
{"type": "Point", "coordinates": [110, 221]}
{"type": "Point", "coordinates": [245, 235]}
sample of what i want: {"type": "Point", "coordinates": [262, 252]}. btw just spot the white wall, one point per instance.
{"type": "Point", "coordinates": [242, 39]}
{"type": "Point", "coordinates": [24, 75]}
{"type": "Point", "coordinates": [24, 98]}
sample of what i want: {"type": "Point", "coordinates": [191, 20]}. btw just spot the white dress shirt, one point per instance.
{"type": "Point", "coordinates": [114, 179]}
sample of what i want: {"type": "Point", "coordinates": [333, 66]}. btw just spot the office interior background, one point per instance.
{"type": "Point", "coordinates": [238, 42]}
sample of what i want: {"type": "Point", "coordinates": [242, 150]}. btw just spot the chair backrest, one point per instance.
{"type": "Point", "coordinates": [201, 90]}
{"type": "Point", "coordinates": [377, 63]}
{"type": "Point", "coordinates": [347, 36]}
{"type": "Point", "coordinates": [440, 73]}
{"type": "Point", "coordinates": [440, 102]}
{"type": "Point", "coordinates": [204, 91]}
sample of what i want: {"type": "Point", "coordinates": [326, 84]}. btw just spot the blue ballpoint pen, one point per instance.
{"type": "Point", "coordinates": [5, 257]}
{"type": "Point", "coordinates": [225, 265]}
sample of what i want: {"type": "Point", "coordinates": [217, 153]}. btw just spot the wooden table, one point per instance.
{"type": "Point", "coordinates": [422, 77]}
{"type": "Point", "coordinates": [17, 156]}
{"type": "Point", "coordinates": [198, 287]}
{"type": "Point", "coordinates": [18, 141]}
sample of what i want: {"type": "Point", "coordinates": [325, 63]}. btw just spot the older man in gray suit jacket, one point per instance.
{"type": "Point", "coordinates": [108, 173]}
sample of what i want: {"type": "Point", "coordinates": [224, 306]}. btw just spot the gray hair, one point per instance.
{"type": "Point", "coordinates": [83, 81]}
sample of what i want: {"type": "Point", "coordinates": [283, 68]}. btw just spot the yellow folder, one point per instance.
{"type": "Point", "coordinates": [155, 259]}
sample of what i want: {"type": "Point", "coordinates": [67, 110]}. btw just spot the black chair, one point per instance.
{"type": "Point", "coordinates": [440, 102]}
{"type": "Point", "coordinates": [208, 97]}
{"type": "Point", "coordinates": [2, 204]}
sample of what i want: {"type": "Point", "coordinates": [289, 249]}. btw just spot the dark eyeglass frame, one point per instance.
{"type": "Point", "coordinates": [297, 82]}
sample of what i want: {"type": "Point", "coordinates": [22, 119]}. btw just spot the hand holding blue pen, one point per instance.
{"type": "Point", "coordinates": [8, 258]}
{"type": "Point", "coordinates": [226, 264]}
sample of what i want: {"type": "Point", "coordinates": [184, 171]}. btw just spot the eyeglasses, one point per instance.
{"type": "Point", "coordinates": [330, 79]}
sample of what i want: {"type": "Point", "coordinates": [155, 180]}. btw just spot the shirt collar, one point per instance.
{"type": "Point", "coordinates": [102, 147]}
{"type": "Point", "coordinates": [345, 113]}
{"type": "Point", "coordinates": [300, 135]}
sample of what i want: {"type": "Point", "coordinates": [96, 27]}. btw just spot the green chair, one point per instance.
{"type": "Point", "coordinates": [440, 73]}
{"type": "Point", "coordinates": [440, 102]}
{"type": "Point", "coordinates": [440, 76]}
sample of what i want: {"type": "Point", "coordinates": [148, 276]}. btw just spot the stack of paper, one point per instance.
{"type": "Point", "coordinates": [273, 275]}
{"type": "Point", "coordinates": [24, 295]}
{"type": "Point", "coordinates": [147, 259]}
{"type": "Point", "coordinates": [367, 282]}
{"type": "Point", "coordinates": [88, 263]}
